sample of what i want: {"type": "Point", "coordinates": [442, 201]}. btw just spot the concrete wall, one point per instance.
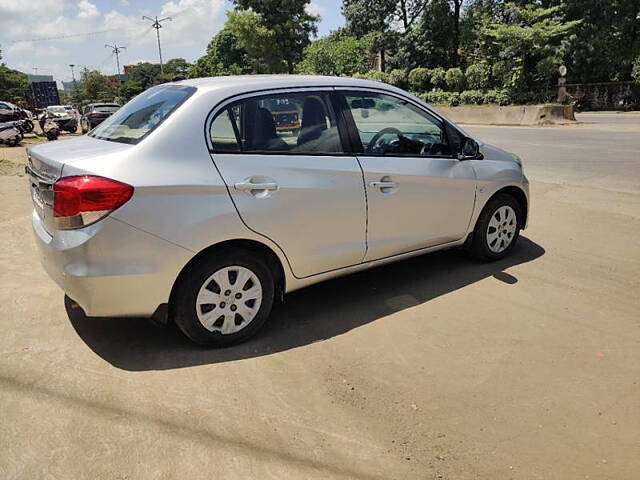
{"type": "Point", "coordinates": [510, 115]}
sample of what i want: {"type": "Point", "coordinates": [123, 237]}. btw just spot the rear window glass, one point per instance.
{"type": "Point", "coordinates": [132, 122]}
{"type": "Point", "coordinates": [106, 108]}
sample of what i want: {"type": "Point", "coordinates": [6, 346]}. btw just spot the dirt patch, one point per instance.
{"type": "Point", "coordinates": [10, 168]}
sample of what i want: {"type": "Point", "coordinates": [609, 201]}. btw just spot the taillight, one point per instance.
{"type": "Point", "coordinates": [82, 200]}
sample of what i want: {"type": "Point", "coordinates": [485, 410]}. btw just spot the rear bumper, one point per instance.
{"type": "Point", "coordinates": [110, 268]}
{"type": "Point", "coordinates": [67, 123]}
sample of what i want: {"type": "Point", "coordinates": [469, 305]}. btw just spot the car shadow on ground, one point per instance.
{"type": "Point", "coordinates": [310, 315]}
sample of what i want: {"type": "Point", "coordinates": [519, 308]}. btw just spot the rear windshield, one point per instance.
{"type": "Point", "coordinates": [140, 116]}
{"type": "Point", "coordinates": [106, 108]}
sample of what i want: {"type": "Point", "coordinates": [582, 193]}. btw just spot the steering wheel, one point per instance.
{"type": "Point", "coordinates": [376, 138]}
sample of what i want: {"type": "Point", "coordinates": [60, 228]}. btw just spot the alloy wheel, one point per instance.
{"type": "Point", "coordinates": [502, 229]}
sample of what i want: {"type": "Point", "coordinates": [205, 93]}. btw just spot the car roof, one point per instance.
{"type": "Point", "coordinates": [249, 83]}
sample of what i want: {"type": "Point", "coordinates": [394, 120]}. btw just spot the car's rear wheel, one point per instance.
{"type": "Point", "coordinates": [224, 298]}
{"type": "Point", "coordinates": [497, 229]}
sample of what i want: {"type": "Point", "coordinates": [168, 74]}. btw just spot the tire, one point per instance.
{"type": "Point", "coordinates": [491, 244]}
{"type": "Point", "coordinates": [28, 126]}
{"type": "Point", "coordinates": [72, 130]}
{"type": "Point", "coordinates": [199, 295]}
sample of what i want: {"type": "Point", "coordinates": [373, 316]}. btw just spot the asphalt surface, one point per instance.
{"type": "Point", "coordinates": [434, 368]}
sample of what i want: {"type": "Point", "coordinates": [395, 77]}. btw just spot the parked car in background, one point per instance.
{"type": "Point", "coordinates": [64, 117]}
{"type": "Point", "coordinates": [9, 112]}
{"type": "Point", "coordinates": [95, 113]}
{"type": "Point", "coordinates": [189, 203]}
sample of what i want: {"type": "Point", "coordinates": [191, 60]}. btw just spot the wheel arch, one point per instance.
{"type": "Point", "coordinates": [253, 246]}
{"type": "Point", "coordinates": [519, 195]}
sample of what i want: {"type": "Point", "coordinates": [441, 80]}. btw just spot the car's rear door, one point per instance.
{"type": "Point", "coordinates": [419, 194]}
{"type": "Point", "coordinates": [294, 183]}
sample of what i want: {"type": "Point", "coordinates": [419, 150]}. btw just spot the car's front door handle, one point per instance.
{"type": "Point", "coordinates": [383, 185]}
{"type": "Point", "coordinates": [248, 186]}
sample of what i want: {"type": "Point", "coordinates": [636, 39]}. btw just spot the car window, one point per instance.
{"type": "Point", "coordinates": [136, 119]}
{"type": "Point", "coordinates": [223, 136]}
{"type": "Point", "coordinates": [4, 106]}
{"type": "Point", "coordinates": [302, 123]}
{"type": "Point", "coordinates": [388, 125]}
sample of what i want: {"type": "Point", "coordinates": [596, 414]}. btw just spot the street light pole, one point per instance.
{"type": "Point", "coordinates": [73, 76]}
{"type": "Point", "coordinates": [116, 49]}
{"type": "Point", "coordinates": [157, 25]}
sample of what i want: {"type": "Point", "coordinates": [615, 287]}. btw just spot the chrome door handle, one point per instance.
{"type": "Point", "coordinates": [249, 186]}
{"type": "Point", "coordinates": [383, 185]}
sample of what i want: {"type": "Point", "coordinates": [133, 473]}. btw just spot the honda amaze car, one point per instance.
{"type": "Point", "coordinates": [188, 204]}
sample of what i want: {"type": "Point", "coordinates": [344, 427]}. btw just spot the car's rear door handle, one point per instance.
{"type": "Point", "coordinates": [248, 186]}
{"type": "Point", "coordinates": [383, 184]}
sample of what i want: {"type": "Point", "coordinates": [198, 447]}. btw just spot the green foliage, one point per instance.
{"type": "Point", "coordinates": [455, 79]}
{"type": "Point", "coordinates": [14, 86]}
{"type": "Point", "coordinates": [607, 41]}
{"type": "Point", "coordinates": [258, 41]}
{"type": "Point", "coordinates": [526, 43]}
{"type": "Point", "coordinates": [635, 73]}
{"type": "Point", "coordinates": [440, 97]}
{"type": "Point", "coordinates": [129, 89]}
{"type": "Point", "coordinates": [438, 77]}
{"type": "Point", "coordinates": [337, 55]}
{"type": "Point", "coordinates": [177, 67]}
{"type": "Point", "coordinates": [479, 75]}
{"type": "Point", "coordinates": [378, 76]}
{"type": "Point", "coordinates": [145, 74]}
{"type": "Point", "coordinates": [291, 24]}
{"type": "Point", "coordinates": [399, 78]}
{"type": "Point", "coordinates": [429, 43]}
{"type": "Point", "coordinates": [93, 87]}
{"type": "Point", "coordinates": [224, 56]}
{"type": "Point", "coordinates": [420, 79]}
{"type": "Point", "coordinates": [497, 97]}
{"type": "Point", "coordinates": [472, 97]}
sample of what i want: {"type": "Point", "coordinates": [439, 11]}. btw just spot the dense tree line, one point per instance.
{"type": "Point", "coordinates": [450, 51]}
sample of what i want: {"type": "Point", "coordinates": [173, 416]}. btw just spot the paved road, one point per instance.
{"type": "Point", "coordinates": [437, 367]}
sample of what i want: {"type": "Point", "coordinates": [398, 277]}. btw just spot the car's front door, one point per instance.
{"type": "Point", "coordinates": [282, 158]}
{"type": "Point", "coordinates": [419, 194]}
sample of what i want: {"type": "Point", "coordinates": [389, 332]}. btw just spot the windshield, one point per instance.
{"type": "Point", "coordinates": [57, 109]}
{"type": "Point", "coordinates": [136, 119]}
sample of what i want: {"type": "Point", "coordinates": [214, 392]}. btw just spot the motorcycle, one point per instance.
{"type": "Point", "coordinates": [48, 126]}
{"type": "Point", "coordinates": [26, 119]}
{"type": "Point", "coordinates": [10, 134]}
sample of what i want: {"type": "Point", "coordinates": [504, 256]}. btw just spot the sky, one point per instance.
{"type": "Point", "coordinates": [115, 22]}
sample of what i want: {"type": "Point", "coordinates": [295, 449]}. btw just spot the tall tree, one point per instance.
{"type": "Point", "coordinates": [257, 40]}
{"type": "Point", "coordinates": [337, 54]}
{"type": "Point", "coordinates": [525, 44]}
{"type": "Point", "coordinates": [177, 67]}
{"type": "Point", "coordinates": [291, 23]}
{"type": "Point", "coordinates": [14, 86]}
{"type": "Point", "coordinates": [224, 56]}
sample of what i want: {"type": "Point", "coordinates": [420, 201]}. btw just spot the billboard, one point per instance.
{"type": "Point", "coordinates": [45, 94]}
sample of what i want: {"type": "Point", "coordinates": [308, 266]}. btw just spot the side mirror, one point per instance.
{"type": "Point", "coordinates": [469, 150]}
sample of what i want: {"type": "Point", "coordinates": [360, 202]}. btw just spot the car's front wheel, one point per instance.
{"type": "Point", "coordinates": [497, 229]}
{"type": "Point", "coordinates": [224, 298]}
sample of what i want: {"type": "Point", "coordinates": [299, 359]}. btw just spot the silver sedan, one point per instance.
{"type": "Point", "coordinates": [204, 201]}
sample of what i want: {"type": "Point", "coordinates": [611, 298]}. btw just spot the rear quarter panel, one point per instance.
{"type": "Point", "coordinates": [179, 194]}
